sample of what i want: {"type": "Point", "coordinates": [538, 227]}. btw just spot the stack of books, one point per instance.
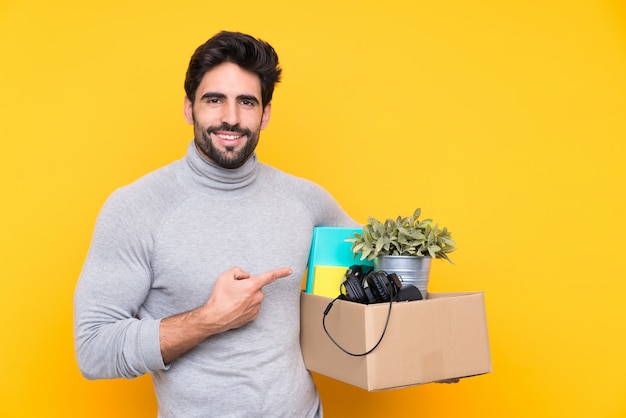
{"type": "Point", "coordinates": [329, 259]}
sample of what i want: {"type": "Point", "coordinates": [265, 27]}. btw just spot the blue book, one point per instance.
{"type": "Point", "coordinates": [329, 248]}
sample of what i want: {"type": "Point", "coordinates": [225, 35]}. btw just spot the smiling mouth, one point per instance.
{"type": "Point", "coordinates": [228, 137]}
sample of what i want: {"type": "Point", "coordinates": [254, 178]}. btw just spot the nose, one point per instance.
{"type": "Point", "coordinates": [230, 114]}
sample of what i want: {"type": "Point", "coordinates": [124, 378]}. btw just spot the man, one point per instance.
{"type": "Point", "coordinates": [158, 292]}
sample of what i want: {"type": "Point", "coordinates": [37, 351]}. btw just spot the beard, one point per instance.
{"type": "Point", "coordinates": [229, 158]}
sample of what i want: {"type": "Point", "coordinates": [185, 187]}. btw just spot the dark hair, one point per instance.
{"type": "Point", "coordinates": [251, 54]}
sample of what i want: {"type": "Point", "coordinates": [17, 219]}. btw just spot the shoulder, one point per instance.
{"type": "Point", "coordinates": [145, 199]}
{"type": "Point", "coordinates": [290, 184]}
{"type": "Point", "coordinates": [320, 205]}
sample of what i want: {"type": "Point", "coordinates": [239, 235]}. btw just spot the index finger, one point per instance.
{"type": "Point", "coordinates": [272, 275]}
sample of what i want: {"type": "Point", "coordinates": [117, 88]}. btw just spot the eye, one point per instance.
{"type": "Point", "coordinates": [248, 103]}
{"type": "Point", "coordinates": [213, 99]}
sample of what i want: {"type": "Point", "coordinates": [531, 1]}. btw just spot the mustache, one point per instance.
{"type": "Point", "coordinates": [230, 128]}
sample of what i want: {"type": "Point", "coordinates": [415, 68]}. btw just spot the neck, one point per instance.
{"type": "Point", "coordinates": [211, 175]}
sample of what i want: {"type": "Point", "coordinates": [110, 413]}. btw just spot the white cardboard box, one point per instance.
{"type": "Point", "coordinates": [443, 337]}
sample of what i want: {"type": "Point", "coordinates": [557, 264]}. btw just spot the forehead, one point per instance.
{"type": "Point", "coordinates": [231, 80]}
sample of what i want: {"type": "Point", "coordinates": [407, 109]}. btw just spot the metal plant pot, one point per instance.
{"type": "Point", "coordinates": [412, 270]}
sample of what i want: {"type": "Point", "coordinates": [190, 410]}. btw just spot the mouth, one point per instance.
{"type": "Point", "coordinates": [228, 136]}
{"type": "Point", "coordinates": [228, 139]}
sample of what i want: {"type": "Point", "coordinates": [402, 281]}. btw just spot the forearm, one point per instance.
{"type": "Point", "coordinates": [235, 301]}
{"type": "Point", "coordinates": [180, 333]}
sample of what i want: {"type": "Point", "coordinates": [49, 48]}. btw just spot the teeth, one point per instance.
{"type": "Point", "coordinates": [229, 137]}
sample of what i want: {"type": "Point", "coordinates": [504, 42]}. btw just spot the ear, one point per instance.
{"type": "Point", "coordinates": [188, 110]}
{"type": "Point", "coordinates": [265, 119]}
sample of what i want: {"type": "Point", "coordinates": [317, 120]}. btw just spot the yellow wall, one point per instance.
{"type": "Point", "coordinates": [502, 120]}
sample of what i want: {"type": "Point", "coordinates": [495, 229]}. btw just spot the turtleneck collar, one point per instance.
{"type": "Point", "coordinates": [212, 176]}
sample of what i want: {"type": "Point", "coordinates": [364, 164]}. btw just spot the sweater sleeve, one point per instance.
{"type": "Point", "coordinates": [110, 339]}
{"type": "Point", "coordinates": [326, 210]}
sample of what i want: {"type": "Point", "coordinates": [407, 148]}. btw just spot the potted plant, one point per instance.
{"type": "Point", "coordinates": [404, 246]}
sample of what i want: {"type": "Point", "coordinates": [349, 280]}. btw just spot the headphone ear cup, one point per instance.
{"type": "Point", "coordinates": [354, 290]}
{"type": "Point", "coordinates": [379, 285]}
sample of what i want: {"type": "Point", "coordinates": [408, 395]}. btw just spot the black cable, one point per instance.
{"type": "Point", "coordinates": [329, 307]}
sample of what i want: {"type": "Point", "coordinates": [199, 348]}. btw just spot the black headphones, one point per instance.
{"type": "Point", "coordinates": [364, 285]}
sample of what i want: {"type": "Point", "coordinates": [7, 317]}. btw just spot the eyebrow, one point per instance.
{"type": "Point", "coordinates": [248, 97]}
{"type": "Point", "coordinates": [215, 95]}
{"type": "Point", "coordinates": [212, 95]}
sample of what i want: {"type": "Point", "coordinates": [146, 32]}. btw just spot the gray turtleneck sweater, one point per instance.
{"type": "Point", "coordinates": [158, 246]}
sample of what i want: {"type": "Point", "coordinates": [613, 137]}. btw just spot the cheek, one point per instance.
{"type": "Point", "coordinates": [199, 129]}
{"type": "Point", "coordinates": [204, 115]}
{"type": "Point", "coordinates": [203, 122]}
{"type": "Point", "coordinates": [255, 122]}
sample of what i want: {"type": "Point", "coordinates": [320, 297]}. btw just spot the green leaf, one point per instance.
{"type": "Point", "coordinates": [403, 236]}
{"type": "Point", "coordinates": [417, 235]}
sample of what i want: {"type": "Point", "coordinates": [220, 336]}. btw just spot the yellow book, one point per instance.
{"type": "Point", "coordinates": [327, 280]}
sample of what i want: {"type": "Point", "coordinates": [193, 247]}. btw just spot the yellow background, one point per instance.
{"type": "Point", "coordinates": [502, 120]}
